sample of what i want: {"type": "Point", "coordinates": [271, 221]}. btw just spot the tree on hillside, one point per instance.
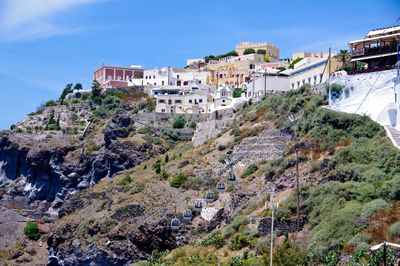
{"type": "Point", "coordinates": [249, 51]}
{"type": "Point", "coordinates": [78, 87]}
{"type": "Point", "coordinates": [343, 57]}
{"type": "Point", "coordinates": [261, 51]}
{"type": "Point", "coordinates": [96, 92]}
{"type": "Point", "coordinates": [65, 92]}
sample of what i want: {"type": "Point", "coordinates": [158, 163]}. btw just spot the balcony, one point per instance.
{"type": "Point", "coordinates": [370, 51]}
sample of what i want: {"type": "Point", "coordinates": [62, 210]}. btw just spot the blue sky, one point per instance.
{"type": "Point", "coordinates": [47, 44]}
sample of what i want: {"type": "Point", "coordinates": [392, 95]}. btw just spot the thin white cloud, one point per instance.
{"type": "Point", "coordinates": [22, 20]}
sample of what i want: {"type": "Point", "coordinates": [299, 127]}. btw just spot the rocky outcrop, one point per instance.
{"type": "Point", "coordinates": [280, 226]}
{"type": "Point", "coordinates": [43, 174]}
{"type": "Point", "coordinates": [119, 127]}
{"type": "Point", "coordinates": [34, 174]}
{"type": "Point", "coordinates": [122, 246]}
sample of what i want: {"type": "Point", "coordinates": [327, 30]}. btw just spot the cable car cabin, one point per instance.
{"type": "Point", "coordinates": [231, 177]}
{"type": "Point", "coordinates": [210, 196]}
{"type": "Point", "coordinates": [198, 205]}
{"type": "Point", "coordinates": [187, 215]}
{"type": "Point", "coordinates": [220, 187]}
{"type": "Point", "coordinates": [175, 223]}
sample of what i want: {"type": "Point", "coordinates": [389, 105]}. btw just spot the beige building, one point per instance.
{"type": "Point", "coordinates": [186, 102]}
{"type": "Point", "coordinates": [271, 49]}
{"type": "Point", "coordinates": [233, 70]}
{"type": "Point", "coordinates": [309, 55]}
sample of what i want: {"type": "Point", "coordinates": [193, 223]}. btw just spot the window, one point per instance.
{"type": "Point", "coordinates": [200, 100]}
{"type": "Point", "coordinates": [252, 66]}
{"type": "Point", "coordinates": [162, 110]}
{"type": "Point", "coordinates": [178, 101]}
{"type": "Point", "coordinates": [177, 76]}
{"type": "Point", "coordinates": [169, 101]}
{"type": "Point", "coordinates": [161, 101]}
{"type": "Point", "coordinates": [190, 101]}
{"type": "Point", "coordinates": [154, 77]}
{"type": "Point", "coordinates": [220, 76]}
{"type": "Point", "coordinates": [162, 82]}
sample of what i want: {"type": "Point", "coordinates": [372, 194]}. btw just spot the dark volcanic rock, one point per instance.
{"type": "Point", "coordinates": [82, 199]}
{"type": "Point", "coordinates": [119, 247]}
{"type": "Point", "coordinates": [37, 170]}
{"type": "Point", "coordinates": [117, 128]}
{"type": "Point", "coordinates": [281, 226]}
{"type": "Point", "coordinates": [42, 174]}
{"type": "Point", "coordinates": [127, 212]}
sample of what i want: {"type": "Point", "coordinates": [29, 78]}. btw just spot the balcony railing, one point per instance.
{"type": "Point", "coordinates": [367, 51]}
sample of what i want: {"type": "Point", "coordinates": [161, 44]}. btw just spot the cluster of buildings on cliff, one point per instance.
{"type": "Point", "coordinates": [247, 73]}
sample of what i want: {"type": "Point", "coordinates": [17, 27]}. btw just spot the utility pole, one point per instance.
{"type": "Point", "coordinates": [272, 206]}
{"type": "Point", "coordinates": [217, 80]}
{"type": "Point", "coordinates": [265, 84]}
{"type": "Point", "coordinates": [384, 253]}
{"type": "Point", "coordinates": [297, 189]}
{"type": "Point", "coordinates": [329, 58]}
{"type": "Point", "coordinates": [168, 77]}
{"type": "Point", "coordinates": [254, 82]}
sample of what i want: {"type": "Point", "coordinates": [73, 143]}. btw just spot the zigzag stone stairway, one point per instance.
{"type": "Point", "coordinates": [269, 144]}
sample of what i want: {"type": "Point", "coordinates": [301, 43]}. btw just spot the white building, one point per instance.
{"type": "Point", "coordinates": [308, 70]}
{"type": "Point", "coordinates": [168, 76]}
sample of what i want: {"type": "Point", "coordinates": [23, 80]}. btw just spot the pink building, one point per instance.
{"type": "Point", "coordinates": [116, 77]}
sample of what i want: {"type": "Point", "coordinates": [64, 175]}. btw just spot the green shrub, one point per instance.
{"type": "Point", "coordinates": [251, 116]}
{"type": "Point", "coordinates": [372, 207]}
{"type": "Point", "coordinates": [126, 180]}
{"type": "Point", "coordinates": [293, 62]}
{"type": "Point", "coordinates": [179, 122]}
{"type": "Point", "coordinates": [178, 180]}
{"type": "Point", "coordinates": [32, 231]}
{"type": "Point", "coordinates": [289, 254]}
{"type": "Point", "coordinates": [249, 170]}
{"type": "Point", "coordinates": [215, 239]}
{"type": "Point", "coordinates": [239, 221]}
{"type": "Point", "coordinates": [391, 189]}
{"type": "Point", "coordinates": [152, 140]}
{"type": "Point", "coordinates": [394, 230]}
{"type": "Point", "coordinates": [143, 130]}
{"type": "Point", "coordinates": [194, 183]}
{"type": "Point", "coordinates": [157, 166]}
{"type": "Point", "coordinates": [193, 125]}
{"type": "Point", "coordinates": [137, 187]}
{"type": "Point", "coordinates": [164, 174]}
{"type": "Point", "coordinates": [50, 103]}
{"type": "Point", "coordinates": [249, 51]}
{"type": "Point", "coordinates": [239, 241]}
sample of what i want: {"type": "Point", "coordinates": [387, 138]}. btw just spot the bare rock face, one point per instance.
{"type": "Point", "coordinates": [40, 172]}
{"type": "Point", "coordinates": [119, 127]}
{"type": "Point", "coordinates": [122, 246]}
{"type": "Point", "coordinates": [282, 226]}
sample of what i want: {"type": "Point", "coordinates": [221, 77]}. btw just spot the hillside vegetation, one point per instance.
{"type": "Point", "coordinates": [349, 186]}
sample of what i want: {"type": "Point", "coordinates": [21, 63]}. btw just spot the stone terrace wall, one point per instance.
{"type": "Point", "coordinates": [269, 144]}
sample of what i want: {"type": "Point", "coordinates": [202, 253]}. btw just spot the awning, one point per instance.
{"type": "Point", "coordinates": [376, 38]}
{"type": "Point", "coordinates": [372, 56]}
